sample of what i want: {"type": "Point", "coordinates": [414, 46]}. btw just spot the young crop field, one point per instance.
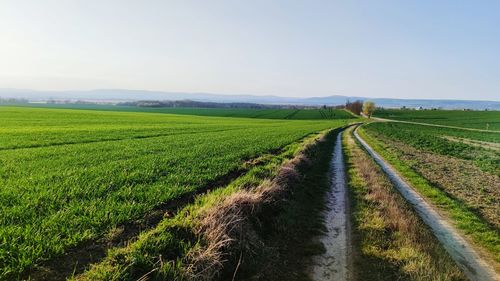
{"type": "Point", "coordinates": [90, 194]}
{"type": "Point", "coordinates": [478, 147]}
{"type": "Point", "coordinates": [293, 114]}
{"type": "Point", "coordinates": [485, 120]}
{"type": "Point", "coordinates": [69, 176]}
{"type": "Point", "coordinates": [456, 169]}
{"type": "Point", "coordinates": [287, 216]}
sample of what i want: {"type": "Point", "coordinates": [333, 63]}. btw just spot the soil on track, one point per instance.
{"type": "Point", "coordinates": [459, 249]}
{"type": "Point", "coordinates": [334, 263]}
{"type": "Point", "coordinates": [433, 125]}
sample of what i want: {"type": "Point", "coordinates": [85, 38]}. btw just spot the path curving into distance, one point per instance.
{"type": "Point", "coordinates": [459, 249]}
{"type": "Point", "coordinates": [333, 264]}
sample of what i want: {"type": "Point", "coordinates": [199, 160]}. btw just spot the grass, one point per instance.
{"type": "Point", "coordinates": [461, 169]}
{"type": "Point", "coordinates": [437, 140]}
{"type": "Point", "coordinates": [292, 114]}
{"type": "Point", "coordinates": [229, 232]}
{"type": "Point", "coordinates": [70, 176]}
{"type": "Point", "coordinates": [458, 118]}
{"type": "Point", "coordinates": [390, 240]}
{"type": "Point", "coordinates": [462, 217]}
{"type": "Point", "coordinates": [297, 220]}
{"type": "Point", "coordinates": [459, 178]}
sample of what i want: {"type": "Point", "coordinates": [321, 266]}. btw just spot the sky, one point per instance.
{"type": "Point", "coordinates": [446, 49]}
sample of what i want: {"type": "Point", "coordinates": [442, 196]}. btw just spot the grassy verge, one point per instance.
{"type": "Point", "coordinates": [232, 231]}
{"type": "Point", "coordinates": [291, 226]}
{"type": "Point", "coordinates": [463, 218]}
{"type": "Point", "coordinates": [390, 241]}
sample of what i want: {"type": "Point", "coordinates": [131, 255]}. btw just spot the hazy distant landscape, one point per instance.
{"type": "Point", "coordinates": [132, 95]}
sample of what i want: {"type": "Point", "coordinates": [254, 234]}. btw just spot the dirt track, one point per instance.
{"type": "Point", "coordinates": [334, 263]}
{"type": "Point", "coordinates": [434, 125]}
{"type": "Point", "coordinates": [459, 249]}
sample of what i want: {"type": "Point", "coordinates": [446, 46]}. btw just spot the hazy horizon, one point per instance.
{"type": "Point", "coordinates": [237, 94]}
{"type": "Point", "coordinates": [382, 49]}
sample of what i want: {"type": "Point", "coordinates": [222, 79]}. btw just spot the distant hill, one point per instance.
{"type": "Point", "coordinates": [134, 95]}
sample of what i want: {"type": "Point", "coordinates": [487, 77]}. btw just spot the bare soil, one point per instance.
{"type": "Point", "coordinates": [459, 178]}
{"type": "Point", "coordinates": [475, 267]}
{"type": "Point", "coordinates": [483, 144]}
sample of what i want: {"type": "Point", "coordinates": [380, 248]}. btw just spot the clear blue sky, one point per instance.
{"type": "Point", "coordinates": [404, 49]}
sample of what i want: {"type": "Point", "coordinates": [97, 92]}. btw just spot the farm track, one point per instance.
{"type": "Point", "coordinates": [459, 249]}
{"type": "Point", "coordinates": [119, 139]}
{"type": "Point", "coordinates": [476, 143]}
{"type": "Point", "coordinates": [265, 114]}
{"type": "Point", "coordinates": [434, 125]}
{"type": "Point", "coordinates": [289, 116]}
{"type": "Point", "coordinates": [76, 260]}
{"type": "Point", "coordinates": [334, 263]}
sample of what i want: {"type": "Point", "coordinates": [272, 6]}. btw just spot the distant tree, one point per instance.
{"type": "Point", "coordinates": [368, 108]}
{"type": "Point", "coordinates": [354, 107]}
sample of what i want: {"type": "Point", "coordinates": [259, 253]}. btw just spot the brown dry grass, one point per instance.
{"type": "Point", "coordinates": [230, 232]}
{"type": "Point", "coordinates": [228, 228]}
{"type": "Point", "coordinates": [393, 241]}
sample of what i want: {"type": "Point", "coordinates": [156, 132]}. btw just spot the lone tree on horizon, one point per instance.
{"type": "Point", "coordinates": [354, 107]}
{"type": "Point", "coordinates": [368, 108]}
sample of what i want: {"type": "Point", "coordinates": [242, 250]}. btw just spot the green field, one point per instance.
{"type": "Point", "coordinates": [456, 169]}
{"type": "Point", "coordinates": [292, 114]}
{"type": "Point", "coordinates": [458, 118]}
{"type": "Point", "coordinates": [72, 175]}
{"type": "Point", "coordinates": [445, 141]}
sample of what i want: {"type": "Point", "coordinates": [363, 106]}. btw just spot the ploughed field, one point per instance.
{"type": "Point", "coordinates": [458, 170]}
{"type": "Point", "coordinates": [292, 114]}
{"type": "Point", "coordinates": [481, 148]}
{"type": "Point", "coordinates": [69, 176]}
{"type": "Point", "coordinates": [468, 119]}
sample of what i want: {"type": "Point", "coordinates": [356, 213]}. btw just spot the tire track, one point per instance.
{"type": "Point", "coordinates": [77, 259]}
{"type": "Point", "coordinates": [333, 264]}
{"type": "Point", "coordinates": [103, 140]}
{"type": "Point", "coordinates": [459, 249]}
{"type": "Point", "coordinates": [434, 125]}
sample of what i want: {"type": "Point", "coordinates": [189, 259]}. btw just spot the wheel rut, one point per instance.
{"type": "Point", "coordinates": [463, 253]}
{"type": "Point", "coordinates": [334, 264]}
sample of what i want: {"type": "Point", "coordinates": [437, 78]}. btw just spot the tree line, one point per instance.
{"type": "Point", "coordinates": [358, 106]}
